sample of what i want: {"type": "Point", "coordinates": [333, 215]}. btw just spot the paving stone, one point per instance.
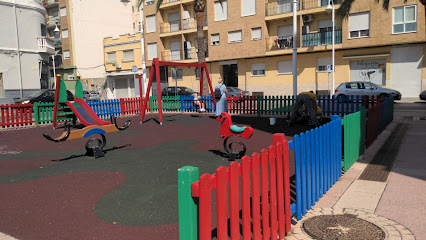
{"type": "Point", "coordinates": [408, 237]}
{"type": "Point", "coordinates": [291, 237]}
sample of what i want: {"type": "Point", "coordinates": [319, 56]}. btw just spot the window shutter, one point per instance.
{"type": "Point", "coordinates": [65, 33]}
{"type": "Point", "coordinates": [67, 55]}
{"type": "Point", "coordinates": [111, 57]}
{"type": "Point", "coordinates": [234, 36]}
{"type": "Point", "coordinates": [220, 11]}
{"type": "Point", "coordinates": [215, 39]}
{"type": "Point", "coordinates": [359, 21]}
{"type": "Point", "coordinates": [248, 7]}
{"type": "Point", "coordinates": [258, 69]}
{"type": "Point", "coordinates": [128, 55]}
{"type": "Point", "coordinates": [256, 33]}
{"type": "Point", "coordinates": [285, 31]}
{"type": "Point", "coordinates": [325, 24]}
{"type": "Point", "coordinates": [152, 51]}
{"type": "Point", "coordinates": [285, 67]}
{"type": "Point", "coordinates": [150, 24]}
{"type": "Point", "coordinates": [63, 11]}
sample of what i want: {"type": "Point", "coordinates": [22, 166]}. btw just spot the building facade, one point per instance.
{"type": "Point", "coordinates": [79, 46]}
{"type": "Point", "coordinates": [249, 44]}
{"type": "Point", "coordinates": [24, 49]}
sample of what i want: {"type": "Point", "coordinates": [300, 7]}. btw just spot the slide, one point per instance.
{"type": "Point", "coordinates": [85, 113]}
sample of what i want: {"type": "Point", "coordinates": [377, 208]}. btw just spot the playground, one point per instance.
{"type": "Point", "coordinates": [52, 191]}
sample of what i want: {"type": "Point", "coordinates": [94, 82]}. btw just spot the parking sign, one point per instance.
{"type": "Point", "coordinates": [329, 68]}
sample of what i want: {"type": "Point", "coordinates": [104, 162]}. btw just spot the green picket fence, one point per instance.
{"type": "Point", "coordinates": [354, 137]}
{"type": "Point", "coordinates": [275, 105]}
{"type": "Point", "coordinates": [169, 103]}
{"type": "Point", "coordinates": [43, 113]}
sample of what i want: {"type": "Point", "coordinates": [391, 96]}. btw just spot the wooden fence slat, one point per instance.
{"type": "Point", "coordinates": [205, 207]}
{"type": "Point", "coordinates": [265, 193]}
{"type": "Point", "coordinates": [221, 203]}
{"type": "Point", "coordinates": [234, 192]}
{"type": "Point", "coordinates": [256, 195]}
{"type": "Point", "coordinates": [245, 190]}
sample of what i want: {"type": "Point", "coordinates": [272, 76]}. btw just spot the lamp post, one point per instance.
{"type": "Point", "coordinates": [56, 30]}
{"type": "Point", "coordinates": [331, 7]}
{"type": "Point", "coordinates": [294, 48]}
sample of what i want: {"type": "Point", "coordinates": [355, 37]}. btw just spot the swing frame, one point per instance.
{"type": "Point", "coordinates": [156, 68]}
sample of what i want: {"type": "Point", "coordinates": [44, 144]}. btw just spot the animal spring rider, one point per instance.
{"type": "Point", "coordinates": [227, 130]}
{"type": "Point", "coordinates": [81, 110]}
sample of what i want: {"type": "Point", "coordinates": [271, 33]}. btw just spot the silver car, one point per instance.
{"type": "Point", "coordinates": [234, 91]}
{"type": "Point", "coordinates": [364, 88]}
{"type": "Point", "coordinates": [91, 95]}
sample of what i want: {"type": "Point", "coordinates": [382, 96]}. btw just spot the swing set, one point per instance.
{"type": "Point", "coordinates": [156, 69]}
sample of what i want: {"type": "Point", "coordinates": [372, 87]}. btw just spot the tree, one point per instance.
{"type": "Point", "coordinates": [346, 5]}
{"type": "Point", "coordinates": [199, 6]}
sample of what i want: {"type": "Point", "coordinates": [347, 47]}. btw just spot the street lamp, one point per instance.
{"type": "Point", "coordinates": [125, 2]}
{"type": "Point", "coordinates": [330, 6]}
{"type": "Point", "coordinates": [56, 30]}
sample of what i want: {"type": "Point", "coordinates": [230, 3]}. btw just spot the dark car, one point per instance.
{"type": "Point", "coordinates": [234, 91]}
{"type": "Point", "coordinates": [43, 95]}
{"type": "Point", "coordinates": [171, 91]}
{"type": "Point", "coordinates": [423, 95]}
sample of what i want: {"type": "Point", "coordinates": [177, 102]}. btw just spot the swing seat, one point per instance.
{"type": "Point", "coordinates": [236, 129]}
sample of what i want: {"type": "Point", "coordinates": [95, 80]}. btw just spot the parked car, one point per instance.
{"type": "Point", "coordinates": [364, 88]}
{"type": "Point", "coordinates": [43, 95]}
{"type": "Point", "coordinates": [423, 95]}
{"type": "Point", "coordinates": [234, 91]}
{"type": "Point", "coordinates": [171, 91]}
{"type": "Point", "coordinates": [91, 95]}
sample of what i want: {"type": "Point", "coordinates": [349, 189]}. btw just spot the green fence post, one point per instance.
{"type": "Point", "coordinates": [363, 120]}
{"type": "Point", "coordinates": [36, 115]}
{"type": "Point", "coordinates": [188, 226]}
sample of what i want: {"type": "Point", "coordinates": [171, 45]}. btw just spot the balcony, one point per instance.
{"type": "Point", "coordinates": [50, 3]}
{"type": "Point", "coordinates": [191, 23]}
{"type": "Point", "coordinates": [52, 20]}
{"type": "Point", "coordinates": [279, 7]}
{"type": "Point", "coordinates": [173, 26]}
{"type": "Point", "coordinates": [175, 55]}
{"type": "Point", "coordinates": [321, 38]}
{"type": "Point", "coordinates": [309, 4]}
{"type": "Point", "coordinates": [56, 41]}
{"type": "Point", "coordinates": [279, 43]}
{"type": "Point", "coordinates": [46, 45]}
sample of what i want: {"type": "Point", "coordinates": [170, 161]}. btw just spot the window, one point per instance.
{"type": "Point", "coordinates": [149, 2]}
{"type": "Point", "coordinates": [256, 33]}
{"type": "Point", "coordinates": [152, 51]}
{"type": "Point", "coordinates": [235, 36]}
{"type": "Point", "coordinates": [220, 11]}
{"type": "Point", "coordinates": [285, 67]}
{"type": "Point", "coordinates": [248, 7]}
{"type": "Point", "coordinates": [197, 73]}
{"type": "Point", "coordinates": [258, 69]}
{"type": "Point", "coordinates": [359, 25]}
{"type": "Point", "coordinates": [43, 30]}
{"type": "Point", "coordinates": [63, 11]}
{"type": "Point", "coordinates": [176, 74]}
{"type": "Point", "coordinates": [111, 57]}
{"type": "Point", "coordinates": [215, 39]}
{"type": "Point", "coordinates": [405, 19]}
{"type": "Point", "coordinates": [322, 64]}
{"type": "Point", "coordinates": [65, 33]}
{"type": "Point", "coordinates": [66, 54]}
{"type": "Point", "coordinates": [150, 24]}
{"type": "Point", "coordinates": [128, 56]}
{"type": "Point", "coordinates": [352, 85]}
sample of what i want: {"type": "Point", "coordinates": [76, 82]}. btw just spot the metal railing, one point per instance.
{"type": "Point", "coordinates": [49, 2]}
{"type": "Point", "coordinates": [278, 43]}
{"type": "Point", "coordinates": [279, 7]}
{"type": "Point", "coordinates": [321, 38]}
{"type": "Point", "coordinates": [172, 26]}
{"type": "Point", "coordinates": [45, 45]}
{"type": "Point", "coordinates": [174, 55]}
{"type": "Point", "coordinates": [52, 20]}
{"type": "Point", "coordinates": [193, 53]}
{"type": "Point", "coordinates": [308, 4]}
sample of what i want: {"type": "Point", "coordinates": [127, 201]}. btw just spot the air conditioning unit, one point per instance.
{"type": "Point", "coordinates": [307, 18]}
{"type": "Point", "coordinates": [118, 66]}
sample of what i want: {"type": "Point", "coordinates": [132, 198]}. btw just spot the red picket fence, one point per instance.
{"type": "Point", "coordinates": [374, 114]}
{"type": "Point", "coordinates": [369, 101]}
{"type": "Point", "coordinates": [15, 115]}
{"type": "Point", "coordinates": [131, 106]}
{"type": "Point", "coordinates": [264, 194]}
{"type": "Point", "coordinates": [242, 105]}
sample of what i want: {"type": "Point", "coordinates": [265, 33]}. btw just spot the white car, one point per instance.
{"type": "Point", "coordinates": [364, 89]}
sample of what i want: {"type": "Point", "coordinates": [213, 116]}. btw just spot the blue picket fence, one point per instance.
{"type": "Point", "coordinates": [105, 108]}
{"type": "Point", "coordinates": [187, 104]}
{"type": "Point", "coordinates": [318, 163]}
{"type": "Point", "coordinates": [338, 106]}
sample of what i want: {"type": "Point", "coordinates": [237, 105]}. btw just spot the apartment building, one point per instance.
{"type": "Point", "coordinates": [249, 44]}
{"type": "Point", "coordinates": [78, 43]}
{"type": "Point", "coordinates": [123, 64]}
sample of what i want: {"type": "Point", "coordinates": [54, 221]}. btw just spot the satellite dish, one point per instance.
{"type": "Point", "coordinates": [134, 68]}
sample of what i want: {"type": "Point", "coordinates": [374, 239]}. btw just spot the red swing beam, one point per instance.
{"type": "Point", "coordinates": [156, 68]}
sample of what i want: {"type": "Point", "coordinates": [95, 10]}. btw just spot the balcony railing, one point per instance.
{"type": "Point", "coordinates": [49, 2]}
{"type": "Point", "coordinates": [321, 38]}
{"type": "Point", "coordinates": [278, 43]}
{"type": "Point", "coordinates": [172, 26]}
{"type": "Point", "coordinates": [279, 7]}
{"type": "Point", "coordinates": [193, 53]}
{"type": "Point", "coordinates": [45, 45]}
{"type": "Point", "coordinates": [52, 20]}
{"type": "Point", "coordinates": [308, 4]}
{"type": "Point", "coordinates": [191, 23]}
{"type": "Point", "coordinates": [174, 55]}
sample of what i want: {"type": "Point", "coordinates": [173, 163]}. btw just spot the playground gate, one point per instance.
{"type": "Point", "coordinates": [16, 115]}
{"type": "Point", "coordinates": [265, 197]}
{"type": "Point", "coordinates": [105, 108]}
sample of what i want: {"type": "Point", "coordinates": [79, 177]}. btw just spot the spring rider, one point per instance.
{"type": "Point", "coordinates": [227, 130]}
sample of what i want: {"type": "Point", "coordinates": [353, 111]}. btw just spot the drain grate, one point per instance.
{"type": "Point", "coordinates": [342, 227]}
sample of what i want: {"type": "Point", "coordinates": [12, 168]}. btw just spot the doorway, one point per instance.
{"type": "Point", "coordinates": [230, 75]}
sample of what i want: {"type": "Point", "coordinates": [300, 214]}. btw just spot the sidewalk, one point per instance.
{"type": "Point", "coordinates": [397, 205]}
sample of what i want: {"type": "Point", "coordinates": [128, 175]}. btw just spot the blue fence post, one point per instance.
{"type": "Point", "coordinates": [297, 163]}
{"type": "Point", "coordinates": [314, 167]}
{"type": "Point", "coordinates": [317, 163]}
{"type": "Point", "coordinates": [308, 169]}
{"type": "Point", "coordinates": [303, 171]}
